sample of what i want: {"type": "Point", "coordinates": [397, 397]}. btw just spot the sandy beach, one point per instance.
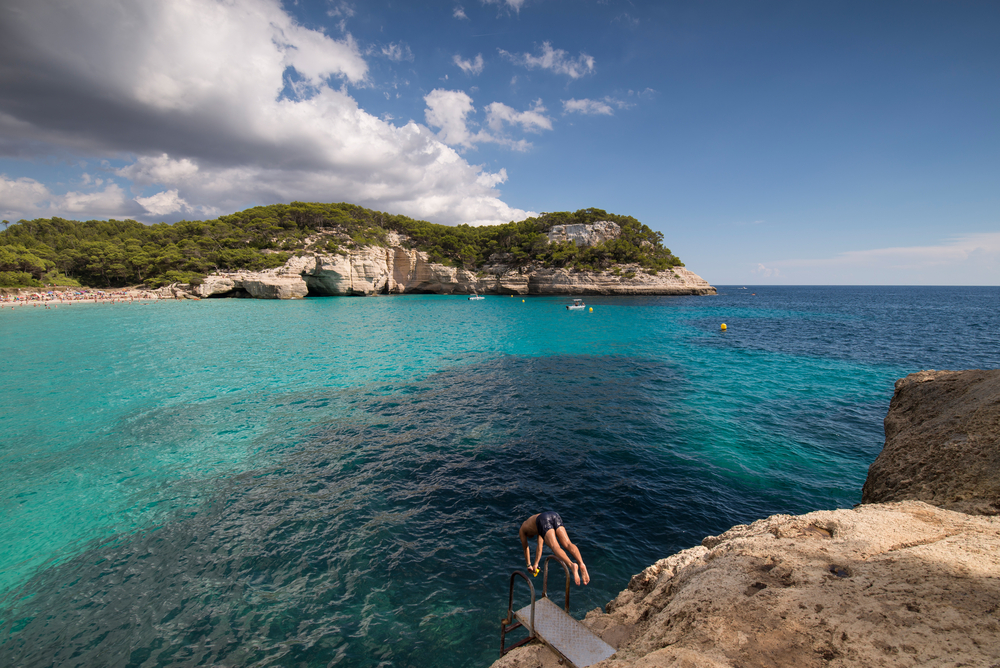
{"type": "Point", "coordinates": [49, 299]}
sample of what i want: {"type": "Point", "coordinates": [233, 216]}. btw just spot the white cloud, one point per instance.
{"type": "Point", "coordinates": [491, 180]}
{"type": "Point", "coordinates": [459, 13]}
{"type": "Point", "coordinates": [397, 52]}
{"type": "Point", "coordinates": [533, 120]}
{"type": "Point", "coordinates": [555, 60]}
{"type": "Point", "coordinates": [193, 96]}
{"type": "Point", "coordinates": [27, 198]}
{"type": "Point", "coordinates": [149, 170]}
{"type": "Point", "coordinates": [163, 203]}
{"type": "Point", "coordinates": [510, 4]}
{"type": "Point", "coordinates": [956, 249]}
{"type": "Point", "coordinates": [20, 197]}
{"type": "Point", "coordinates": [645, 94]}
{"type": "Point", "coordinates": [470, 66]}
{"type": "Point", "coordinates": [341, 9]}
{"type": "Point", "coordinates": [626, 19]}
{"type": "Point", "coordinates": [316, 56]}
{"type": "Point", "coordinates": [604, 107]}
{"type": "Point", "coordinates": [766, 272]}
{"type": "Point", "coordinates": [966, 259]}
{"type": "Point", "coordinates": [450, 111]}
{"type": "Point", "coordinates": [110, 201]}
{"type": "Point", "coordinates": [587, 107]}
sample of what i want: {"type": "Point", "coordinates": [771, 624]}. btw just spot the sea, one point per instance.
{"type": "Point", "coordinates": [340, 481]}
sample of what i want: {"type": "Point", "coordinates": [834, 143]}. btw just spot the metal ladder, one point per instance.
{"type": "Point", "coordinates": [546, 621]}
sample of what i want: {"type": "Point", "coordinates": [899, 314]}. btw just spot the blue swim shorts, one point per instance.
{"type": "Point", "coordinates": [547, 520]}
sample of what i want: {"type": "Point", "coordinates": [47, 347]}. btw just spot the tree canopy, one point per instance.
{"type": "Point", "coordinates": [107, 253]}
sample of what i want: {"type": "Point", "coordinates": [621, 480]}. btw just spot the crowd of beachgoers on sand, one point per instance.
{"type": "Point", "coordinates": [59, 297]}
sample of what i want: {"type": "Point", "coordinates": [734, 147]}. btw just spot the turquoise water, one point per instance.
{"type": "Point", "coordinates": [340, 481]}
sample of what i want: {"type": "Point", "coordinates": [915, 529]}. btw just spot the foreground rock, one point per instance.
{"type": "Point", "coordinates": [900, 584]}
{"type": "Point", "coordinates": [942, 443]}
{"type": "Point", "coordinates": [397, 269]}
{"type": "Point", "coordinates": [896, 583]}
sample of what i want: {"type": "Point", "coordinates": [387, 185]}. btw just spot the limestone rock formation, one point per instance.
{"type": "Point", "coordinates": [942, 443]}
{"type": "Point", "coordinates": [896, 584]}
{"type": "Point", "coordinates": [365, 271]}
{"type": "Point", "coordinates": [396, 269]}
{"type": "Point", "coordinates": [628, 281]}
{"type": "Point", "coordinates": [585, 235]}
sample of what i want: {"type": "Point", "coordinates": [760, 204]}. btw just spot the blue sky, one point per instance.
{"type": "Point", "coordinates": [770, 142]}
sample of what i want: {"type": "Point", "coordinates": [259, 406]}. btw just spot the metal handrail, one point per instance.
{"type": "Point", "coordinates": [504, 628]}
{"type": "Point", "coordinates": [545, 582]}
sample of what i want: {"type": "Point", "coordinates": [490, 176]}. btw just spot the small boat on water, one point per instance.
{"type": "Point", "coordinates": [577, 305]}
{"type": "Point", "coordinates": [475, 297]}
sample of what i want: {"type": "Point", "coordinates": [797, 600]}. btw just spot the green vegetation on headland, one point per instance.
{"type": "Point", "coordinates": [109, 253]}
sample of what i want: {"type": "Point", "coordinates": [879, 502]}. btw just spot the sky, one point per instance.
{"type": "Point", "coordinates": [800, 143]}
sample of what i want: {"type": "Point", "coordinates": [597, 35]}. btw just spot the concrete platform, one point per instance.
{"type": "Point", "coordinates": [568, 637]}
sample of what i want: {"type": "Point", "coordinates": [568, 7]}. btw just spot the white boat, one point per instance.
{"type": "Point", "coordinates": [577, 305]}
{"type": "Point", "coordinates": [475, 297]}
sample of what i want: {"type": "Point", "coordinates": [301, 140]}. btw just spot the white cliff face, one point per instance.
{"type": "Point", "coordinates": [365, 271]}
{"type": "Point", "coordinates": [585, 235]}
{"type": "Point", "coordinates": [630, 280]}
{"type": "Point", "coordinates": [395, 269]}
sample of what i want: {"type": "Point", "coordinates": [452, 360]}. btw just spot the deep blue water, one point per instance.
{"type": "Point", "coordinates": [340, 481]}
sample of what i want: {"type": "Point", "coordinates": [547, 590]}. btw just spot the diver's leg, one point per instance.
{"type": "Point", "coordinates": [553, 543]}
{"type": "Point", "coordinates": [568, 545]}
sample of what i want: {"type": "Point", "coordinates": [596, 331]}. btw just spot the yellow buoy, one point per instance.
{"type": "Point", "coordinates": [591, 309]}
{"type": "Point", "coordinates": [723, 328]}
{"type": "Point", "coordinates": [522, 301]}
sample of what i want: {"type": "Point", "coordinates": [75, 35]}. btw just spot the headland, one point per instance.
{"type": "Point", "coordinates": [398, 268]}
{"type": "Point", "coordinates": [290, 251]}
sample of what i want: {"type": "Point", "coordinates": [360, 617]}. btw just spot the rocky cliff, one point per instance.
{"type": "Point", "coordinates": [902, 583]}
{"type": "Point", "coordinates": [397, 269]}
{"type": "Point", "coordinates": [942, 443]}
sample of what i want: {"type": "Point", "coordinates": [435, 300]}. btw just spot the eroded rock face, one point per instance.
{"type": "Point", "coordinates": [899, 584]}
{"type": "Point", "coordinates": [678, 281]}
{"type": "Point", "coordinates": [942, 443]}
{"type": "Point", "coordinates": [585, 235]}
{"type": "Point", "coordinates": [366, 271]}
{"type": "Point", "coordinates": [398, 270]}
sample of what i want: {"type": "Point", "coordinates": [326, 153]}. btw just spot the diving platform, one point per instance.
{"type": "Point", "coordinates": [546, 621]}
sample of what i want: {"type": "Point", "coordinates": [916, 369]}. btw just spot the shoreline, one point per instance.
{"type": "Point", "coordinates": [48, 299]}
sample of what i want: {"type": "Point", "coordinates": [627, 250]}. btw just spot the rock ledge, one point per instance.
{"type": "Point", "coordinates": [942, 443]}
{"type": "Point", "coordinates": [893, 582]}
{"type": "Point", "coordinates": [896, 584]}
